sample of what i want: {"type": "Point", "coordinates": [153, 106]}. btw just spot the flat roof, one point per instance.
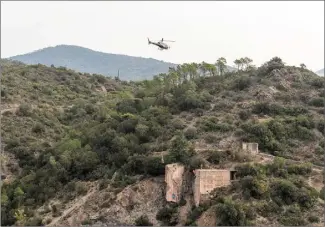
{"type": "Point", "coordinates": [174, 164]}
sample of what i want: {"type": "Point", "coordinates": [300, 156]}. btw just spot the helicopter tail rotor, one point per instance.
{"type": "Point", "coordinates": [149, 42]}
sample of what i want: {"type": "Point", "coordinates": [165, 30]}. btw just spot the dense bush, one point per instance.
{"type": "Point", "coordinates": [317, 102]}
{"type": "Point", "coordinates": [322, 193]}
{"type": "Point", "coordinates": [143, 221]}
{"type": "Point", "coordinates": [244, 115]}
{"type": "Point", "coordinates": [268, 208]}
{"type": "Point", "coordinates": [250, 170]}
{"type": "Point", "coordinates": [313, 219]}
{"type": "Point", "coordinates": [24, 110]}
{"type": "Point", "coordinates": [167, 215]}
{"type": "Point", "coordinates": [284, 192]}
{"type": "Point", "coordinates": [217, 157]}
{"type": "Point", "coordinates": [191, 133]}
{"type": "Point", "coordinates": [230, 213]}
{"type": "Point", "coordinates": [194, 215]}
{"type": "Point", "coordinates": [212, 124]}
{"type": "Point", "coordinates": [242, 83]}
{"type": "Point", "coordinates": [274, 109]}
{"type": "Point", "coordinates": [257, 188]}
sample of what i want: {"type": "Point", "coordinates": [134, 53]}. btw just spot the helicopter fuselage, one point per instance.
{"type": "Point", "coordinates": [161, 45]}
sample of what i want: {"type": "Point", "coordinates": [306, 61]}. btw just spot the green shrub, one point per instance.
{"type": "Point", "coordinates": [189, 100]}
{"type": "Point", "coordinates": [317, 82]}
{"type": "Point", "coordinates": [262, 135]}
{"type": "Point", "coordinates": [322, 193]}
{"type": "Point", "coordinates": [255, 187]}
{"type": "Point", "coordinates": [38, 128]}
{"type": "Point", "coordinates": [268, 208]}
{"type": "Point", "coordinates": [230, 213]}
{"type": "Point", "coordinates": [86, 222]}
{"type": "Point", "coordinates": [210, 138]}
{"type": "Point", "coordinates": [195, 213]}
{"type": "Point", "coordinates": [143, 221]}
{"type": "Point", "coordinates": [217, 157]}
{"type": "Point", "coordinates": [313, 219]}
{"type": "Point", "coordinates": [140, 164]}
{"type": "Point", "coordinates": [317, 102]}
{"type": "Point", "coordinates": [293, 221]}
{"type": "Point", "coordinates": [213, 125]}
{"type": "Point", "coordinates": [80, 188]}
{"type": "Point", "coordinates": [140, 94]}
{"type": "Point", "coordinates": [223, 105]}
{"type": "Point", "coordinates": [178, 124]}
{"type": "Point", "coordinates": [4, 93]}
{"type": "Point", "coordinates": [167, 215]}
{"type": "Point", "coordinates": [190, 133]}
{"type": "Point", "coordinates": [24, 110]}
{"type": "Point", "coordinates": [244, 115]}
{"type": "Point", "coordinates": [273, 109]}
{"type": "Point", "coordinates": [182, 202]}
{"type": "Point", "coordinates": [284, 192]}
{"type": "Point", "coordinates": [300, 169]}
{"type": "Point", "coordinates": [250, 170]}
{"type": "Point", "coordinates": [250, 212]}
{"type": "Point", "coordinates": [179, 151]}
{"type": "Point", "coordinates": [242, 83]}
{"type": "Point", "coordinates": [196, 163]}
{"type": "Point", "coordinates": [321, 127]}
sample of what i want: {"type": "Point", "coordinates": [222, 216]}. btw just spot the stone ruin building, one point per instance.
{"type": "Point", "coordinates": [206, 180]}
{"type": "Point", "coordinates": [174, 179]}
{"type": "Point", "coordinates": [251, 148]}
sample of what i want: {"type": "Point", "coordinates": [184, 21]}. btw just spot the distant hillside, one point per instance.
{"type": "Point", "coordinates": [320, 72]}
{"type": "Point", "coordinates": [89, 61]}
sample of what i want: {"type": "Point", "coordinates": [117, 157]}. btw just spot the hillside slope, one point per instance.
{"type": "Point", "coordinates": [86, 149]}
{"type": "Point", "coordinates": [90, 61]}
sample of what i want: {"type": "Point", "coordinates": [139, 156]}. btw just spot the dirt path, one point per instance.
{"type": "Point", "coordinates": [76, 205]}
{"type": "Point", "coordinates": [268, 158]}
{"type": "Point", "coordinates": [12, 108]}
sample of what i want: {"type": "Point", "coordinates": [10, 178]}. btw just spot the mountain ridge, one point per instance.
{"type": "Point", "coordinates": [86, 60]}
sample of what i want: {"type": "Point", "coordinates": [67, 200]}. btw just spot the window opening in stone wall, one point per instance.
{"type": "Point", "coordinates": [233, 175]}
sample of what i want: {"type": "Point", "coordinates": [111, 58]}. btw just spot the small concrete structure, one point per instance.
{"type": "Point", "coordinates": [251, 148]}
{"type": "Point", "coordinates": [206, 180]}
{"type": "Point", "coordinates": [174, 179]}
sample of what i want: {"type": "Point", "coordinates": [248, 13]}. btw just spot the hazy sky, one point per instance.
{"type": "Point", "coordinates": [203, 31]}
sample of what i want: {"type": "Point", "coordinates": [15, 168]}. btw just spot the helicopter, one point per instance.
{"type": "Point", "coordinates": [160, 44]}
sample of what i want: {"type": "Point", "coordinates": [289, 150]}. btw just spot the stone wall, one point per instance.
{"type": "Point", "coordinates": [251, 148]}
{"type": "Point", "coordinates": [206, 180]}
{"type": "Point", "coordinates": [174, 179]}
